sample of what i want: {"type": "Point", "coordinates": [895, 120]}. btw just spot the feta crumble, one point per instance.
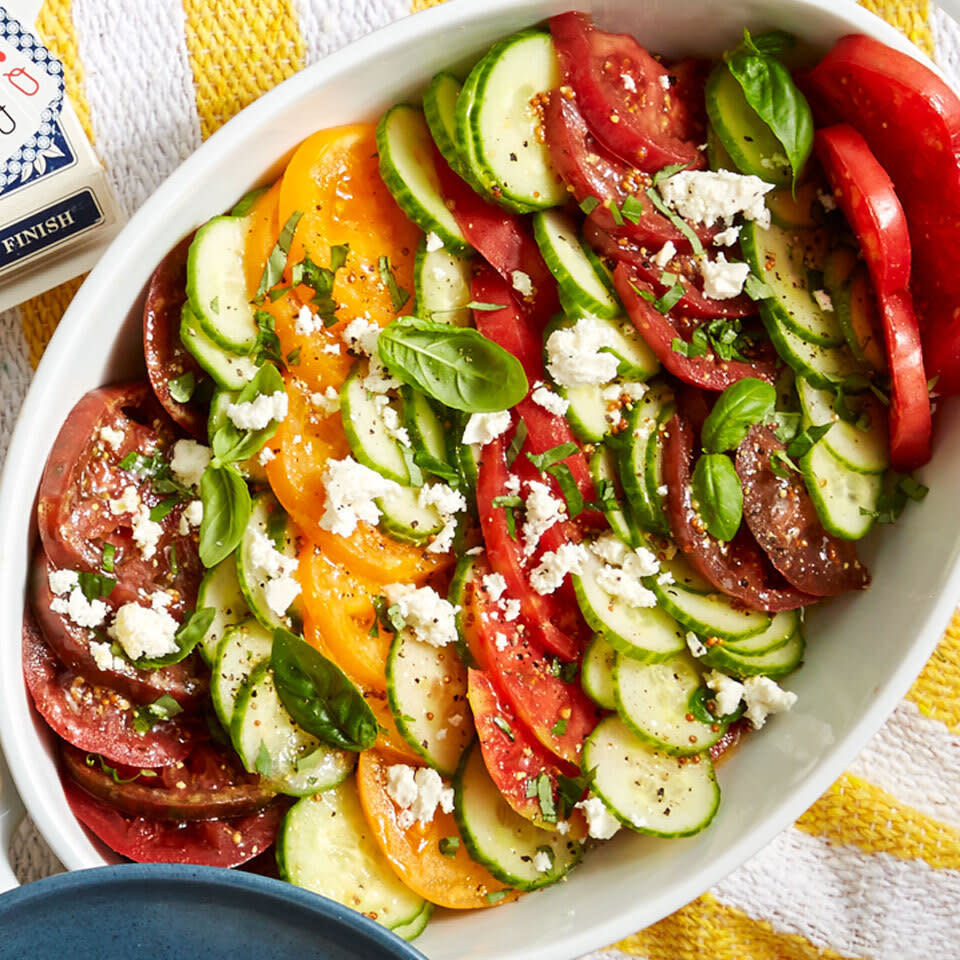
{"type": "Point", "coordinates": [765, 697]}
{"type": "Point", "coordinates": [448, 503]}
{"type": "Point", "coordinates": [511, 610]}
{"type": "Point", "coordinates": [144, 631]}
{"type": "Point", "coordinates": [391, 420]}
{"type": "Point", "coordinates": [664, 80]}
{"type": "Point", "coordinates": [428, 616]}
{"type": "Point", "coordinates": [192, 516]}
{"type": "Point", "coordinates": [78, 609]}
{"type": "Point", "coordinates": [189, 461]}
{"type": "Point", "coordinates": [275, 571]}
{"type": "Point", "coordinates": [707, 196]}
{"type": "Point", "coordinates": [623, 570]}
{"type": "Point", "coordinates": [483, 428]}
{"type": "Point", "coordinates": [258, 413]}
{"type": "Point", "coordinates": [665, 254]}
{"type": "Point", "coordinates": [823, 300]}
{"type": "Point", "coordinates": [552, 402]}
{"type": "Point", "coordinates": [601, 824]}
{"type": "Point", "coordinates": [418, 793]}
{"type": "Point", "coordinates": [629, 84]}
{"type": "Point", "coordinates": [331, 348]}
{"type": "Point", "coordinates": [62, 581]}
{"type": "Point", "coordinates": [542, 861]}
{"type": "Point", "coordinates": [542, 511]}
{"type": "Point", "coordinates": [351, 493]}
{"type": "Point", "coordinates": [265, 456]}
{"type": "Point", "coordinates": [326, 402]}
{"type": "Point", "coordinates": [307, 322]}
{"type": "Point", "coordinates": [361, 336]}
{"type": "Point", "coordinates": [433, 242]}
{"type": "Point", "coordinates": [728, 237]}
{"type": "Point", "coordinates": [694, 645]}
{"type": "Point", "coordinates": [103, 657]}
{"type": "Point", "coordinates": [501, 642]}
{"type": "Point", "coordinates": [576, 355]}
{"type": "Point", "coordinates": [827, 200]}
{"type": "Point", "coordinates": [729, 692]}
{"type": "Point", "coordinates": [494, 585]}
{"type": "Point", "coordinates": [723, 280]}
{"type": "Point", "coordinates": [522, 283]}
{"type": "Point", "coordinates": [554, 565]}
{"type": "Point", "coordinates": [128, 501]}
{"type": "Point", "coordinates": [146, 532]}
{"type": "Point", "coordinates": [111, 437]}
{"type": "Point", "coordinates": [378, 379]}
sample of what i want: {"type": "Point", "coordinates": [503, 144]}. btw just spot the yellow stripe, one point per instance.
{"type": "Point", "coordinates": [709, 929]}
{"type": "Point", "coordinates": [419, 5]}
{"type": "Point", "coordinates": [936, 692]}
{"type": "Point", "coordinates": [40, 316]}
{"type": "Point", "coordinates": [856, 813]}
{"type": "Point", "coordinates": [911, 19]}
{"type": "Point", "coordinates": [238, 50]}
{"type": "Point", "coordinates": [55, 27]}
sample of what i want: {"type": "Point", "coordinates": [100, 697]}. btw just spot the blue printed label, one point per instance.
{"type": "Point", "coordinates": [49, 227]}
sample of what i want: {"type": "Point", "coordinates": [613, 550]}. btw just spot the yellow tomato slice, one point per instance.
{"type": "Point", "coordinates": [261, 236]}
{"type": "Point", "coordinates": [448, 881]}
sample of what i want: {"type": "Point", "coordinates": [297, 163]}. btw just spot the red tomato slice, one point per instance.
{"type": "Point", "coordinates": [83, 474]}
{"type": "Point", "coordinates": [694, 302]}
{"type": "Point", "coordinates": [512, 755]}
{"type": "Point", "coordinates": [95, 718]}
{"type": "Point", "coordinates": [738, 568]}
{"type": "Point", "coordinates": [209, 843]}
{"type": "Point", "coordinates": [165, 355]}
{"type": "Point", "coordinates": [504, 240]}
{"type": "Point", "coordinates": [559, 714]}
{"type": "Point", "coordinates": [708, 371]}
{"type": "Point", "coordinates": [626, 97]}
{"type": "Point", "coordinates": [780, 514]}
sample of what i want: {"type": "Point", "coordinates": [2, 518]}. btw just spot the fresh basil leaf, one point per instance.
{"type": "Point", "coordinates": [747, 402]}
{"type": "Point", "coordinates": [109, 555]}
{"type": "Point", "coordinates": [664, 173]}
{"type": "Point", "coordinates": [676, 220]}
{"type": "Point", "coordinates": [246, 203]}
{"type": "Point", "coordinates": [698, 706]}
{"type": "Point", "coordinates": [769, 89]}
{"type": "Point", "coordinates": [398, 296]}
{"type": "Point", "coordinates": [456, 365]}
{"type": "Point", "coordinates": [273, 269]}
{"type": "Point", "coordinates": [181, 388]}
{"type": "Point", "coordinates": [786, 425]}
{"type": "Point", "coordinates": [163, 508]}
{"type": "Point", "coordinates": [516, 444]}
{"type": "Point", "coordinates": [781, 465]}
{"type": "Point", "coordinates": [319, 696]}
{"type": "Point", "coordinates": [147, 716]}
{"type": "Point", "coordinates": [188, 636]}
{"type": "Point", "coordinates": [543, 461]}
{"type": "Point", "coordinates": [231, 443]}
{"type": "Point", "coordinates": [568, 487]}
{"type": "Point", "coordinates": [95, 585]}
{"type": "Point", "coordinates": [570, 791]}
{"type": "Point", "coordinates": [805, 440]}
{"type": "Point", "coordinates": [589, 204]}
{"type": "Point", "coordinates": [773, 42]}
{"type": "Point", "coordinates": [226, 510]}
{"type": "Point", "coordinates": [716, 487]}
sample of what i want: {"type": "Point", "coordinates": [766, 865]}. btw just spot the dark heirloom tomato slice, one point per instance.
{"type": "Point", "coordinates": [95, 718]}
{"type": "Point", "coordinates": [186, 681]}
{"type": "Point", "coordinates": [559, 714]}
{"type": "Point", "coordinates": [224, 789]}
{"type": "Point", "coordinates": [730, 740]}
{"type": "Point", "coordinates": [164, 353]}
{"type": "Point", "coordinates": [83, 474]}
{"type": "Point", "coordinates": [209, 843]}
{"type": "Point", "coordinates": [505, 241]}
{"type": "Point", "coordinates": [694, 302]}
{"type": "Point", "coordinates": [626, 97]}
{"type": "Point", "coordinates": [512, 755]}
{"type": "Point", "coordinates": [707, 371]}
{"type": "Point", "coordinates": [738, 568]}
{"type": "Point", "coordinates": [782, 517]}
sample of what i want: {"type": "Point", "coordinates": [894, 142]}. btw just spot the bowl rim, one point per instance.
{"type": "Point", "coordinates": [67, 341]}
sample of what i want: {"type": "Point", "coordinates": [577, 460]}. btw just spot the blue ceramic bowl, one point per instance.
{"type": "Point", "coordinates": [165, 912]}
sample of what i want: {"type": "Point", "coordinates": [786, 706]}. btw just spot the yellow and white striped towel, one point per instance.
{"type": "Point", "coordinates": [872, 870]}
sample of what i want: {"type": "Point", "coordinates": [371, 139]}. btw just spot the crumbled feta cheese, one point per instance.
{"type": "Point", "coordinates": [563, 827]}
{"type": "Point", "coordinates": [483, 428]}
{"type": "Point", "coordinates": [729, 692]}
{"type": "Point", "coordinates": [378, 379]}
{"type": "Point", "coordinates": [361, 336]}
{"type": "Point", "coordinates": [728, 237]}
{"type": "Point", "coordinates": [601, 824]}
{"type": "Point", "coordinates": [610, 548]}
{"type": "Point", "coordinates": [554, 565]}
{"type": "Point", "coordinates": [189, 461]}
{"type": "Point", "coordinates": [258, 413]}
{"type": "Point", "coordinates": [552, 402]}
{"type": "Point", "coordinates": [723, 280]}
{"type": "Point", "coordinates": [706, 196]}
{"type": "Point", "coordinates": [111, 437]}
{"type": "Point", "coordinates": [144, 631]}
{"type": "Point", "coordinates": [351, 493]}
{"type": "Point", "coordinates": [629, 84]}
{"type": "Point", "coordinates": [433, 243]}
{"type": "Point", "coordinates": [624, 569]}
{"type": "Point", "coordinates": [428, 616]}
{"type": "Point", "coordinates": [448, 503]}
{"type": "Point", "coordinates": [266, 455]}
{"type": "Point", "coordinates": [307, 322]}
{"type": "Point", "coordinates": [391, 420]}
{"type": "Point", "coordinates": [146, 532]}
{"type": "Point", "coordinates": [576, 355]}
{"type": "Point", "coordinates": [474, 551]}
{"type": "Point", "coordinates": [542, 861]}
{"type": "Point", "coordinates": [103, 657]}
{"type": "Point", "coordinates": [827, 200]}
{"type": "Point", "coordinates": [78, 609]}
{"type": "Point", "coordinates": [664, 79]}
{"type": "Point", "coordinates": [192, 516]}
{"type": "Point", "coordinates": [823, 299]}
{"type": "Point", "coordinates": [326, 402]}
{"type": "Point", "coordinates": [694, 644]}
{"type": "Point", "coordinates": [275, 571]}
{"type": "Point", "coordinates": [511, 610]}
{"type": "Point", "coordinates": [765, 697]}
{"type": "Point", "coordinates": [332, 348]}
{"type": "Point", "coordinates": [665, 254]}
{"type": "Point", "coordinates": [62, 581]}
{"type": "Point", "coordinates": [494, 585]}
{"type": "Point", "coordinates": [618, 394]}
{"type": "Point", "coordinates": [417, 793]}
{"type": "Point", "coordinates": [542, 511]}
{"type": "Point", "coordinates": [662, 490]}
{"type": "Point", "coordinates": [665, 578]}
{"type": "Point", "coordinates": [522, 283]}
{"type": "Point", "coordinates": [501, 642]}
{"type": "Point", "coordinates": [128, 502]}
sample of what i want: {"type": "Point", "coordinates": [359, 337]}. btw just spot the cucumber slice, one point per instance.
{"type": "Point", "coordinates": [717, 156]}
{"type": "Point", "coordinates": [643, 422]}
{"type": "Point", "coordinates": [587, 412]}
{"type": "Point", "coordinates": [845, 499]}
{"type": "Point", "coordinates": [267, 520]}
{"type": "Point", "coordinates": [220, 589]}
{"type": "Point", "coordinates": [246, 203]}
{"type": "Point", "coordinates": [603, 467]}
{"type": "Point", "coordinates": [782, 627]}
{"type": "Point", "coordinates": [596, 672]}
{"type": "Point", "coordinates": [462, 575]}
{"type": "Point", "coordinates": [406, 167]}
{"type": "Point", "coordinates": [367, 434]}
{"type": "Point", "coordinates": [441, 283]}
{"type": "Point", "coordinates": [499, 838]}
{"type": "Point", "coordinates": [863, 451]}
{"type": "Point", "coordinates": [650, 792]}
{"type": "Point", "coordinates": [653, 700]}
{"type": "Point", "coordinates": [217, 284]}
{"type": "Point", "coordinates": [230, 371]}
{"type": "Point", "coordinates": [774, 664]}
{"type": "Point", "coordinates": [497, 123]}
{"type": "Point", "coordinates": [428, 434]}
{"type": "Point", "coordinates": [427, 693]}
{"type": "Point", "coordinates": [789, 212]}
{"type": "Point", "coordinates": [782, 259]}
{"type": "Point", "coordinates": [268, 742]}
{"type": "Point", "coordinates": [685, 575]}
{"type": "Point", "coordinates": [709, 614]}
{"type": "Point", "coordinates": [583, 289]}
{"type": "Point", "coordinates": [243, 648]}
{"type": "Point", "coordinates": [643, 633]}
{"type": "Point", "coordinates": [439, 110]}
{"type": "Point", "coordinates": [402, 517]}
{"type": "Point", "coordinates": [413, 929]}
{"type": "Point", "coordinates": [747, 139]}
{"type": "Point", "coordinates": [857, 312]}
{"type": "Point", "coordinates": [325, 845]}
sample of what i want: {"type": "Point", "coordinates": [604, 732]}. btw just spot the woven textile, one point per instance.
{"type": "Point", "coordinates": [872, 870]}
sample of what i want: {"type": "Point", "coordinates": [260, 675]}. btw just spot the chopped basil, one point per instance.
{"type": "Point", "coordinates": [615, 212]}
{"type": "Point", "coordinates": [516, 444]}
{"type": "Point", "coordinates": [95, 585]}
{"type": "Point", "coordinates": [147, 716]}
{"type": "Point", "coordinates": [542, 461]}
{"type": "Point", "coordinates": [181, 388]}
{"type": "Point", "coordinates": [174, 566]}
{"type": "Point", "coordinates": [293, 357]}
{"type": "Point", "coordinates": [589, 204]}
{"type": "Point", "coordinates": [898, 489]}
{"type": "Point", "coordinates": [163, 508]}
{"type": "Point", "coordinates": [568, 487]}
{"type": "Point", "coordinates": [632, 209]}
{"type": "Point", "coordinates": [321, 281]}
{"type": "Point", "coordinates": [692, 349]}
{"type": "Point", "coordinates": [571, 789]}
{"type": "Point", "coordinates": [92, 759]}
{"type": "Point", "coordinates": [716, 487]}
{"type": "Point", "coordinates": [267, 345]}
{"type": "Point", "coordinates": [191, 632]}
{"type": "Point", "coordinates": [264, 762]}
{"type": "Point", "coordinates": [485, 307]}
{"type": "Point", "coordinates": [782, 465]}
{"type": "Point", "coordinates": [109, 555]}
{"type": "Point", "coordinates": [508, 501]}
{"type": "Point", "coordinates": [545, 797]}
{"type": "Point", "coordinates": [495, 896]}
{"type": "Point", "coordinates": [804, 441]}
{"type": "Point", "coordinates": [398, 296]}
{"type": "Point", "coordinates": [273, 269]}
{"type": "Point", "coordinates": [559, 728]}
{"type": "Point", "coordinates": [502, 724]}
{"type": "Point", "coordinates": [664, 173]}
{"type": "Point", "coordinates": [676, 220]}
{"type": "Point", "coordinates": [449, 846]}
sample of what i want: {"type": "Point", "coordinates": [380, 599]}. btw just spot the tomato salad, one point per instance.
{"type": "Point", "coordinates": [488, 462]}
